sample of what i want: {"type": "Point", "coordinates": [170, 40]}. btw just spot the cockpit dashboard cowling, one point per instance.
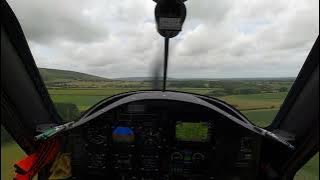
{"type": "Point", "coordinates": [164, 135]}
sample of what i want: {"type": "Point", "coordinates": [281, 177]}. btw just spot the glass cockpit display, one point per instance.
{"type": "Point", "coordinates": [122, 135]}
{"type": "Point", "coordinates": [192, 131]}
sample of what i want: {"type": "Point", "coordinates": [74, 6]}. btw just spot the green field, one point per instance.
{"type": "Point", "coordinates": [256, 101]}
{"type": "Point", "coordinates": [10, 154]}
{"type": "Point", "coordinates": [310, 171]}
{"type": "Point", "coordinates": [82, 102]}
{"type": "Point", "coordinates": [261, 118]}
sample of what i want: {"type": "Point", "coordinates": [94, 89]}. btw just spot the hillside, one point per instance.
{"type": "Point", "coordinates": [143, 79]}
{"type": "Point", "coordinates": [55, 75]}
{"type": "Point", "coordinates": [207, 79]}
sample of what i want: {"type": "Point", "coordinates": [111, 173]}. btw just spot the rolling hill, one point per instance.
{"type": "Point", "coordinates": [55, 75]}
{"type": "Point", "coordinates": [142, 79]}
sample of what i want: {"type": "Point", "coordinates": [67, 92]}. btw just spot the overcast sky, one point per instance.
{"type": "Point", "coordinates": [220, 38]}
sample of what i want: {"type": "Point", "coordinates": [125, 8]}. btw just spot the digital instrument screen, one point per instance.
{"type": "Point", "coordinates": [123, 135]}
{"type": "Point", "coordinates": [190, 131]}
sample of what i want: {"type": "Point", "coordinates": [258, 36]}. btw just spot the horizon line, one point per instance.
{"type": "Point", "coordinates": [149, 77]}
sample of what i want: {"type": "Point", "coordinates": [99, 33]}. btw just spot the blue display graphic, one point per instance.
{"type": "Point", "coordinates": [123, 135]}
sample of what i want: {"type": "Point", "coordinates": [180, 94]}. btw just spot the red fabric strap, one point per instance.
{"type": "Point", "coordinates": [32, 164]}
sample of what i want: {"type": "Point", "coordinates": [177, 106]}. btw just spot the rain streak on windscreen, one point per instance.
{"type": "Point", "coordinates": [247, 53]}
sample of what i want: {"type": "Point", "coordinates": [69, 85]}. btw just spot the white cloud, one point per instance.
{"type": "Point", "coordinates": [248, 38]}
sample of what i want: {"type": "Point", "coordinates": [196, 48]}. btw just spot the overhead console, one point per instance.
{"type": "Point", "coordinates": [158, 139]}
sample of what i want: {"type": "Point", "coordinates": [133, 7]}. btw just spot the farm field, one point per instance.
{"type": "Point", "coordinates": [310, 171]}
{"type": "Point", "coordinates": [262, 117]}
{"type": "Point", "coordinates": [10, 153]}
{"type": "Point", "coordinates": [256, 101]}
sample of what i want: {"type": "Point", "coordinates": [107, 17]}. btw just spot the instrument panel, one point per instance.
{"type": "Point", "coordinates": [163, 139]}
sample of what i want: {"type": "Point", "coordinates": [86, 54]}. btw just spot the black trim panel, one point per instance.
{"type": "Point", "coordinates": [14, 31]}
{"type": "Point", "coordinates": [305, 73]}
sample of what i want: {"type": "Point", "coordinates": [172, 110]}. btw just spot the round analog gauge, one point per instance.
{"type": "Point", "coordinates": [176, 156]}
{"type": "Point", "coordinates": [151, 137]}
{"type": "Point", "coordinates": [197, 157]}
{"type": "Point", "coordinates": [96, 135]}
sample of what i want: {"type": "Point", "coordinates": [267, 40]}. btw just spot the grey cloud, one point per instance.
{"type": "Point", "coordinates": [209, 11]}
{"type": "Point", "coordinates": [219, 39]}
{"type": "Point", "coordinates": [47, 21]}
